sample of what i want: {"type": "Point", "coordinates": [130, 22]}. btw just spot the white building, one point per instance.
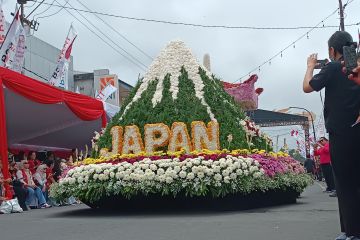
{"type": "Point", "coordinates": [41, 58]}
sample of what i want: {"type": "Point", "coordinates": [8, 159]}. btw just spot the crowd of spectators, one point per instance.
{"type": "Point", "coordinates": [32, 177]}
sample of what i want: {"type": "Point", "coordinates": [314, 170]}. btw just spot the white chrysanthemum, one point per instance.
{"type": "Point", "coordinates": [217, 169]}
{"type": "Point", "coordinates": [227, 179]}
{"type": "Point", "coordinates": [217, 177]}
{"type": "Point", "coordinates": [233, 176]}
{"type": "Point", "coordinates": [160, 171]}
{"type": "Point", "coordinates": [253, 169]}
{"type": "Point", "coordinates": [169, 180]}
{"type": "Point", "coordinates": [72, 180]}
{"type": "Point", "coordinates": [190, 176]}
{"type": "Point", "coordinates": [210, 172]}
{"type": "Point", "coordinates": [257, 175]}
{"type": "Point", "coordinates": [182, 174]}
{"type": "Point", "coordinates": [225, 173]}
{"type": "Point", "coordinates": [239, 172]}
{"type": "Point", "coordinates": [200, 175]}
{"type": "Point", "coordinates": [153, 167]}
{"type": "Point", "coordinates": [95, 176]}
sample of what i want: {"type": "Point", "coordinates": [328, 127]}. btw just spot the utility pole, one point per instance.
{"type": "Point", "coordinates": [32, 24]}
{"type": "Point", "coordinates": [22, 17]}
{"type": "Point", "coordinates": [342, 24]}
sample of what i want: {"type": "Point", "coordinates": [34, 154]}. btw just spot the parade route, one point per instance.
{"type": "Point", "coordinates": [314, 217]}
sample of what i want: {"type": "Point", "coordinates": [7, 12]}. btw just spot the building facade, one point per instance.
{"type": "Point", "coordinates": [41, 60]}
{"type": "Point", "coordinates": [92, 83]}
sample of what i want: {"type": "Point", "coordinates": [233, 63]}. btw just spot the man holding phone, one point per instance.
{"type": "Point", "coordinates": [341, 110]}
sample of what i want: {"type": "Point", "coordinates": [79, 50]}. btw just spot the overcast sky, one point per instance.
{"type": "Point", "coordinates": [234, 52]}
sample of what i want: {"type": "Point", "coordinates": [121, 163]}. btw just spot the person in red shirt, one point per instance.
{"type": "Point", "coordinates": [321, 149]}
{"type": "Point", "coordinates": [33, 162]}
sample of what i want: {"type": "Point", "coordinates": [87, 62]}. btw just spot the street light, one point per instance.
{"type": "Point", "coordinates": [312, 120]}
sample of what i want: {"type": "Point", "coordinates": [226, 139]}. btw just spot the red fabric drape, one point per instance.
{"type": "Point", "coordinates": [3, 141]}
{"type": "Point", "coordinates": [84, 107]}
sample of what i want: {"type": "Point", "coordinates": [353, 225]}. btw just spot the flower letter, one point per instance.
{"type": "Point", "coordinates": [156, 135]}
{"type": "Point", "coordinates": [132, 140]}
{"type": "Point", "coordinates": [205, 138]}
{"type": "Point", "coordinates": [179, 138]}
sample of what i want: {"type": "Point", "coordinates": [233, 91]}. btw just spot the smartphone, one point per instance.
{"type": "Point", "coordinates": [350, 58]}
{"type": "Point", "coordinates": [321, 63]}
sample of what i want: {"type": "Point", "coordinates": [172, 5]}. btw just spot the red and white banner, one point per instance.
{"type": "Point", "coordinates": [106, 92]}
{"type": "Point", "coordinates": [2, 25]}
{"type": "Point", "coordinates": [16, 58]}
{"type": "Point", "coordinates": [59, 77]}
{"type": "Point", "coordinates": [8, 48]}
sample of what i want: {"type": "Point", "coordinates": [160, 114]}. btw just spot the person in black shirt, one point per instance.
{"type": "Point", "coordinates": [341, 110]}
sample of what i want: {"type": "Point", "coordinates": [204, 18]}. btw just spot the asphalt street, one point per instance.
{"type": "Point", "coordinates": [314, 217]}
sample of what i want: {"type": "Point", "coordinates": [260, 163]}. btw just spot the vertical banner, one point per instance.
{"type": "Point", "coordinates": [18, 62]}
{"type": "Point", "coordinates": [16, 58]}
{"type": "Point", "coordinates": [59, 78]}
{"type": "Point", "coordinates": [102, 81]}
{"type": "Point", "coordinates": [8, 48]}
{"type": "Point", "coordinates": [2, 25]}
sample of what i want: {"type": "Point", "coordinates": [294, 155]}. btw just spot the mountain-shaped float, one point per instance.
{"type": "Point", "coordinates": [177, 88]}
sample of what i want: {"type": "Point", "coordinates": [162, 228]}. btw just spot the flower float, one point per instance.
{"type": "Point", "coordinates": [179, 136]}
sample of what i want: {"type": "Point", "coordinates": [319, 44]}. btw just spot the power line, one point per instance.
{"type": "Point", "coordinates": [43, 2]}
{"type": "Point", "coordinates": [102, 39]}
{"type": "Point", "coordinates": [116, 44]}
{"type": "Point", "coordinates": [122, 36]}
{"type": "Point", "coordinates": [198, 25]}
{"type": "Point", "coordinates": [268, 61]}
{"type": "Point", "coordinates": [280, 53]}
{"type": "Point", "coordinates": [50, 15]}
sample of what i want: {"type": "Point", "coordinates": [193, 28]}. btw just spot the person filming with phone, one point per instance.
{"type": "Point", "coordinates": [341, 110]}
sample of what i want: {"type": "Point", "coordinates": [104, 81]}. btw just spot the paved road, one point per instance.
{"type": "Point", "coordinates": [314, 217]}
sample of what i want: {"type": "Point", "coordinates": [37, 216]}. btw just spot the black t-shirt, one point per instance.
{"type": "Point", "coordinates": [342, 98]}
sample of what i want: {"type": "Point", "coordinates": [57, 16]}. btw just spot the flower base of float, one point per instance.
{"type": "Point", "coordinates": [208, 179]}
{"type": "Point", "coordinates": [231, 202]}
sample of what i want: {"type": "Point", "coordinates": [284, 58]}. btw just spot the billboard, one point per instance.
{"type": "Point", "coordinates": [101, 81]}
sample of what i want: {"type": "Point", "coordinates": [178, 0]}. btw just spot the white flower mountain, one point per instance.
{"type": "Point", "coordinates": [170, 61]}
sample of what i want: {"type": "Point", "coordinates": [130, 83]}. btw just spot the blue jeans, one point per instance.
{"type": "Point", "coordinates": [35, 193]}
{"type": "Point", "coordinates": [44, 193]}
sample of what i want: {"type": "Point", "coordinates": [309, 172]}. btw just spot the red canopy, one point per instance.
{"type": "Point", "coordinates": [35, 113]}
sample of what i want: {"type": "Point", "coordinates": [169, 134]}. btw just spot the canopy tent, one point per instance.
{"type": "Point", "coordinates": [35, 113]}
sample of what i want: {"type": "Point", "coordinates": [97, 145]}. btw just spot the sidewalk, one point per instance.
{"type": "Point", "coordinates": [315, 217]}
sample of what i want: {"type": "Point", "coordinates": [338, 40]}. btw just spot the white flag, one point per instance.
{"type": "Point", "coordinates": [16, 59]}
{"type": "Point", "coordinates": [2, 25]}
{"type": "Point", "coordinates": [77, 89]}
{"type": "Point", "coordinates": [96, 93]}
{"type": "Point", "coordinates": [106, 92]}
{"type": "Point", "coordinates": [8, 48]}
{"type": "Point", "coordinates": [60, 76]}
